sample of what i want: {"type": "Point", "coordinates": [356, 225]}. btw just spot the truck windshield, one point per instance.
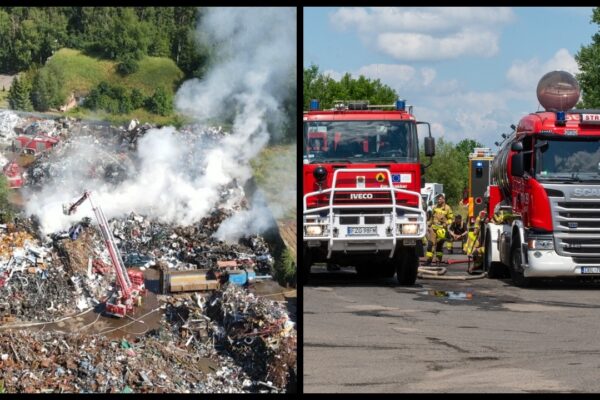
{"type": "Point", "coordinates": [568, 159]}
{"type": "Point", "coordinates": [360, 141]}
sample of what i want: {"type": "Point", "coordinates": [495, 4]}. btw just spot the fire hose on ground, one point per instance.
{"type": "Point", "coordinates": [439, 272]}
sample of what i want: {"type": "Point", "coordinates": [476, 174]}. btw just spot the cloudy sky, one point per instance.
{"type": "Point", "coordinates": [470, 72]}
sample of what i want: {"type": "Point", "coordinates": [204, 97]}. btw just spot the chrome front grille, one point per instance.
{"type": "Point", "coordinates": [576, 223]}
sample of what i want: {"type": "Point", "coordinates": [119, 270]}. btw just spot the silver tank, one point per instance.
{"type": "Point", "coordinates": [499, 167]}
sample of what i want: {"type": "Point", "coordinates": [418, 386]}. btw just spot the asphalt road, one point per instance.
{"type": "Point", "coordinates": [375, 336]}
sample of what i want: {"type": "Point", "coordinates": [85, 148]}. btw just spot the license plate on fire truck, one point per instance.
{"type": "Point", "coordinates": [590, 270]}
{"type": "Point", "coordinates": [362, 230]}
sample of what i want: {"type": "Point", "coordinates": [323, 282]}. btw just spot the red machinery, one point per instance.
{"type": "Point", "coordinates": [130, 282]}
{"type": "Point", "coordinates": [544, 198]}
{"type": "Point", "coordinates": [361, 184]}
{"type": "Point", "coordinates": [29, 145]}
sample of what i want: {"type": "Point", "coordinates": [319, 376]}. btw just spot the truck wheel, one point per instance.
{"type": "Point", "coordinates": [408, 266]}
{"type": "Point", "coordinates": [306, 264]}
{"type": "Point", "coordinates": [494, 269]}
{"type": "Point", "coordinates": [517, 276]}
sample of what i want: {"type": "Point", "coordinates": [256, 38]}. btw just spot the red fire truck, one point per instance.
{"type": "Point", "coordinates": [479, 179]}
{"type": "Point", "coordinates": [361, 183]}
{"type": "Point", "coordinates": [544, 198]}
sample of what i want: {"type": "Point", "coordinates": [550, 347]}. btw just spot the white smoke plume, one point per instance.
{"type": "Point", "coordinates": [179, 180]}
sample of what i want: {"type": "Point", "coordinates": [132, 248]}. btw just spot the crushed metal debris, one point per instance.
{"type": "Point", "coordinates": [229, 340]}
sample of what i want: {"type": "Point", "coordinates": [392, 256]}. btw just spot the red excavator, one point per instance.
{"type": "Point", "coordinates": [130, 283]}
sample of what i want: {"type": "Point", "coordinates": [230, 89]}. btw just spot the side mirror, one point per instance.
{"type": "Point", "coordinates": [429, 146]}
{"type": "Point", "coordinates": [516, 146]}
{"type": "Point", "coordinates": [516, 165]}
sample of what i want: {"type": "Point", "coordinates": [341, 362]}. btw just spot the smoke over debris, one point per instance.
{"type": "Point", "coordinates": [178, 177]}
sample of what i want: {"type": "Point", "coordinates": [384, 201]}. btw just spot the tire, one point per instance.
{"type": "Point", "coordinates": [494, 269]}
{"type": "Point", "coordinates": [408, 266]}
{"type": "Point", "coordinates": [516, 275]}
{"type": "Point", "coordinates": [306, 264]}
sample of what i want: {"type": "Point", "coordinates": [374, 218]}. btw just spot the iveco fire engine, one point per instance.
{"type": "Point", "coordinates": [362, 180]}
{"type": "Point", "coordinates": [545, 193]}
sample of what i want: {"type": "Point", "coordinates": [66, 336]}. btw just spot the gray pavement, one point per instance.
{"type": "Point", "coordinates": [375, 336]}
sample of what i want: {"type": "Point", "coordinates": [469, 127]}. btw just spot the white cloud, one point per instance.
{"type": "Point", "coordinates": [420, 47]}
{"type": "Point", "coordinates": [428, 75]}
{"type": "Point", "coordinates": [435, 33]}
{"type": "Point", "coordinates": [525, 75]}
{"type": "Point", "coordinates": [333, 74]}
{"type": "Point", "coordinates": [418, 19]}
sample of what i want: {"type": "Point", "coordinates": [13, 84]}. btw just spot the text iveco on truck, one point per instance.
{"type": "Point", "coordinates": [361, 184]}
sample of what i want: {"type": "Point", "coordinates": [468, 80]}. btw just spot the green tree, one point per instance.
{"type": "Point", "coordinates": [446, 169]}
{"type": "Point", "coordinates": [48, 89]}
{"type": "Point", "coordinates": [322, 87]}
{"type": "Point", "coordinates": [137, 98]}
{"type": "Point", "coordinates": [6, 208]}
{"type": "Point", "coordinates": [128, 65]}
{"type": "Point", "coordinates": [160, 102]}
{"type": "Point", "coordinates": [19, 95]}
{"type": "Point", "coordinates": [588, 59]}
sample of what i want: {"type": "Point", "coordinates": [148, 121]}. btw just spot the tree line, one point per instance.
{"type": "Point", "coordinates": [29, 35]}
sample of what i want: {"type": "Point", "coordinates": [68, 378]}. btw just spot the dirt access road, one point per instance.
{"type": "Point", "coordinates": [374, 336]}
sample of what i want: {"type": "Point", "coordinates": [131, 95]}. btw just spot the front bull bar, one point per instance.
{"type": "Point", "coordinates": [394, 236]}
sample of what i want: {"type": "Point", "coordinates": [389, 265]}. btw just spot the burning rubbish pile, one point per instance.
{"type": "Point", "coordinates": [178, 356]}
{"type": "Point", "coordinates": [51, 275]}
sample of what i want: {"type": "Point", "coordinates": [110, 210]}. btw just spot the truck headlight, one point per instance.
{"type": "Point", "coordinates": [540, 244]}
{"type": "Point", "coordinates": [314, 230]}
{"type": "Point", "coordinates": [408, 229]}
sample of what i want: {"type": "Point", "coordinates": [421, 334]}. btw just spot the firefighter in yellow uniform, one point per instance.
{"type": "Point", "coordinates": [437, 227]}
{"type": "Point", "coordinates": [474, 248]}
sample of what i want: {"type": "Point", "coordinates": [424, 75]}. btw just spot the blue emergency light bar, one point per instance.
{"type": "Point", "coordinates": [561, 118]}
{"type": "Point", "coordinates": [400, 105]}
{"type": "Point", "coordinates": [314, 105]}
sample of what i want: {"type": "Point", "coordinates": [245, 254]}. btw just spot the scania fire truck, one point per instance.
{"type": "Point", "coordinates": [545, 193]}
{"type": "Point", "coordinates": [361, 182]}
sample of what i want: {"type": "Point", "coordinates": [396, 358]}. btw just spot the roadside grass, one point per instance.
{"type": "Point", "coordinates": [275, 173]}
{"type": "Point", "coordinates": [176, 120]}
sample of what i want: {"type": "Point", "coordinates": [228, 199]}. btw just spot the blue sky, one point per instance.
{"type": "Point", "coordinates": [470, 72]}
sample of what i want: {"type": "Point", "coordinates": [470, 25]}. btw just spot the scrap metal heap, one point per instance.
{"type": "Point", "coordinates": [166, 359]}
{"type": "Point", "coordinates": [43, 278]}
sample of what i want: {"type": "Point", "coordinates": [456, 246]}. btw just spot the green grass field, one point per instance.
{"type": "Point", "coordinates": [275, 173]}
{"type": "Point", "coordinates": [83, 73]}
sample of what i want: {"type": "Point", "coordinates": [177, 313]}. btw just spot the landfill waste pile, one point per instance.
{"type": "Point", "coordinates": [248, 343]}
{"type": "Point", "coordinates": [165, 359]}
{"type": "Point", "coordinates": [256, 333]}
